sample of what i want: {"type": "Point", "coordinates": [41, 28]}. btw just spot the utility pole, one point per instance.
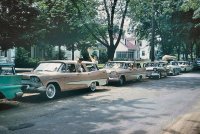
{"type": "Point", "coordinates": [152, 56]}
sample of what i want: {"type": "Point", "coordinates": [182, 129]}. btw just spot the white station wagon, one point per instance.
{"type": "Point", "coordinates": [122, 71]}
{"type": "Point", "coordinates": [53, 77]}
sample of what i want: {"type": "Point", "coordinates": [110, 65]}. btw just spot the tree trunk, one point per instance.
{"type": "Point", "coordinates": [152, 55]}
{"type": "Point", "coordinates": [197, 51]}
{"type": "Point", "coordinates": [186, 55]}
{"type": "Point", "coordinates": [59, 52]}
{"type": "Point", "coordinates": [178, 50]}
{"type": "Point", "coordinates": [72, 51]}
{"type": "Point", "coordinates": [191, 51]}
{"type": "Point", "coordinates": [110, 52]}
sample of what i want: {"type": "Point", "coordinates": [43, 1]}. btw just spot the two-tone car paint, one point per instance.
{"type": "Point", "coordinates": [122, 71]}
{"type": "Point", "coordinates": [64, 77]}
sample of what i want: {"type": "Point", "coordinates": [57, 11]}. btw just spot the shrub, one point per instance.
{"type": "Point", "coordinates": [22, 59]}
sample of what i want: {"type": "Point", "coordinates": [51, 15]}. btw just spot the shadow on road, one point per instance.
{"type": "Point", "coordinates": [39, 98]}
{"type": "Point", "coordinates": [6, 105]}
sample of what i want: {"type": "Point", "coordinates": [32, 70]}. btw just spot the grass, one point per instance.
{"type": "Point", "coordinates": [100, 66]}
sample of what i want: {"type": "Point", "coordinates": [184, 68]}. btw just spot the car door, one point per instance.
{"type": "Point", "coordinates": [134, 71]}
{"type": "Point", "coordinates": [95, 75]}
{"type": "Point", "coordinates": [72, 78]}
{"type": "Point", "coordinates": [140, 70]}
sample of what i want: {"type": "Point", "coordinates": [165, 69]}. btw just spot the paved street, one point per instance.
{"type": "Point", "coordinates": [146, 107]}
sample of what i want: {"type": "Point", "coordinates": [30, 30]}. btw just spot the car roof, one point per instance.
{"type": "Point", "coordinates": [122, 61]}
{"type": "Point", "coordinates": [7, 64]}
{"type": "Point", "coordinates": [66, 61]}
{"type": "Point", "coordinates": [183, 61]}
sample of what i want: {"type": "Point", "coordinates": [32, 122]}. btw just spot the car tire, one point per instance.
{"type": "Point", "coordinates": [139, 78]}
{"type": "Point", "coordinates": [165, 75]}
{"type": "Point", "coordinates": [93, 86]}
{"type": "Point", "coordinates": [51, 91]}
{"type": "Point", "coordinates": [174, 72]}
{"type": "Point", "coordinates": [159, 76]}
{"type": "Point", "coordinates": [121, 81]}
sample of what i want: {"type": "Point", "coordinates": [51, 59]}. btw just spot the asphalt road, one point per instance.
{"type": "Point", "coordinates": [145, 107]}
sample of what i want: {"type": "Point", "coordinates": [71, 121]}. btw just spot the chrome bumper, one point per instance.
{"type": "Point", "coordinates": [28, 89]}
{"type": "Point", "coordinates": [19, 94]}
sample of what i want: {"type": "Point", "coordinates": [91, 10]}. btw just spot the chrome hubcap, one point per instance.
{"type": "Point", "coordinates": [51, 91]}
{"type": "Point", "coordinates": [93, 86]}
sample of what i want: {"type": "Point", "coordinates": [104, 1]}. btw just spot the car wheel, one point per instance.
{"type": "Point", "coordinates": [159, 76]}
{"type": "Point", "coordinates": [121, 81]}
{"type": "Point", "coordinates": [174, 72]}
{"type": "Point", "coordinates": [165, 74]}
{"type": "Point", "coordinates": [139, 78]}
{"type": "Point", "coordinates": [93, 86]}
{"type": "Point", "coordinates": [51, 91]}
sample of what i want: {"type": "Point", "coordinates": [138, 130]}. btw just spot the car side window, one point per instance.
{"type": "Point", "coordinates": [138, 65]}
{"type": "Point", "coordinates": [92, 67]}
{"type": "Point", "coordinates": [6, 71]}
{"type": "Point", "coordinates": [67, 68]}
{"type": "Point", "coordinates": [125, 66]}
{"type": "Point", "coordinates": [71, 68]}
{"type": "Point", "coordinates": [63, 68]}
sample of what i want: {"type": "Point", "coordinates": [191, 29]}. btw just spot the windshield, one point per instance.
{"type": "Point", "coordinates": [153, 65]}
{"type": "Point", "coordinates": [6, 71]}
{"type": "Point", "coordinates": [114, 65]}
{"type": "Point", "coordinates": [183, 63]}
{"type": "Point", "coordinates": [174, 63]}
{"type": "Point", "coordinates": [51, 67]}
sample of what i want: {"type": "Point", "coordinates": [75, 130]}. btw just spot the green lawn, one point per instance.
{"type": "Point", "coordinates": [100, 66]}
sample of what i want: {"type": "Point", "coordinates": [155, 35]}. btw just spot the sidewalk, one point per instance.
{"type": "Point", "coordinates": [186, 124]}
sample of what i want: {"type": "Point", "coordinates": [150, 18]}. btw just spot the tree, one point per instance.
{"type": "Point", "coordinates": [192, 8]}
{"type": "Point", "coordinates": [61, 26]}
{"type": "Point", "coordinates": [108, 16]}
{"type": "Point", "coordinates": [16, 18]}
{"type": "Point", "coordinates": [175, 24]}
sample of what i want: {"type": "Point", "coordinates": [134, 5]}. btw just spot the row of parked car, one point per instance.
{"type": "Point", "coordinates": [51, 78]}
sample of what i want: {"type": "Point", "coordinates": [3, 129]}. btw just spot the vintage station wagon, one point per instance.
{"type": "Point", "coordinates": [186, 66]}
{"type": "Point", "coordinates": [10, 83]}
{"type": "Point", "coordinates": [53, 77]}
{"type": "Point", "coordinates": [155, 69]}
{"type": "Point", "coordinates": [122, 71]}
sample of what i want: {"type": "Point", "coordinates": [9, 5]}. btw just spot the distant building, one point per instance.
{"type": "Point", "coordinates": [8, 54]}
{"type": "Point", "coordinates": [128, 49]}
{"type": "Point", "coordinates": [144, 50]}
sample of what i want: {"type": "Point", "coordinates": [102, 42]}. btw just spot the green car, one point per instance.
{"type": "Point", "coordinates": [10, 83]}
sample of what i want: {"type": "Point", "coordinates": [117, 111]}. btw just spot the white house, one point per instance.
{"type": "Point", "coordinates": [144, 50]}
{"type": "Point", "coordinates": [8, 54]}
{"type": "Point", "coordinates": [128, 49]}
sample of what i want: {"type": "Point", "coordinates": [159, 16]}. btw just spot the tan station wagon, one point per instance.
{"type": "Point", "coordinates": [122, 71]}
{"type": "Point", "coordinates": [53, 77]}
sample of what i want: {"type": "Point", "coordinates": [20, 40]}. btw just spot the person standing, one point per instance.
{"type": "Point", "coordinates": [80, 67]}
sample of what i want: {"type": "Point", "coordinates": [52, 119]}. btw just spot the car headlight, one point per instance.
{"type": "Point", "coordinates": [34, 79]}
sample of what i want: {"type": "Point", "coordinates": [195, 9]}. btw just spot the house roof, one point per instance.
{"type": "Point", "coordinates": [131, 45]}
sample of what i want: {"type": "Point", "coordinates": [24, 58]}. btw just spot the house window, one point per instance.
{"type": "Point", "coordinates": [131, 55]}
{"type": "Point", "coordinates": [125, 55]}
{"type": "Point", "coordinates": [121, 55]}
{"type": "Point", "coordinates": [143, 53]}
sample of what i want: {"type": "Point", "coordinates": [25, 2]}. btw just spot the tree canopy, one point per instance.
{"type": "Point", "coordinates": [176, 24]}
{"type": "Point", "coordinates": [16, 18]}
{"type": "Point", "coordinates": [78, 24]}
